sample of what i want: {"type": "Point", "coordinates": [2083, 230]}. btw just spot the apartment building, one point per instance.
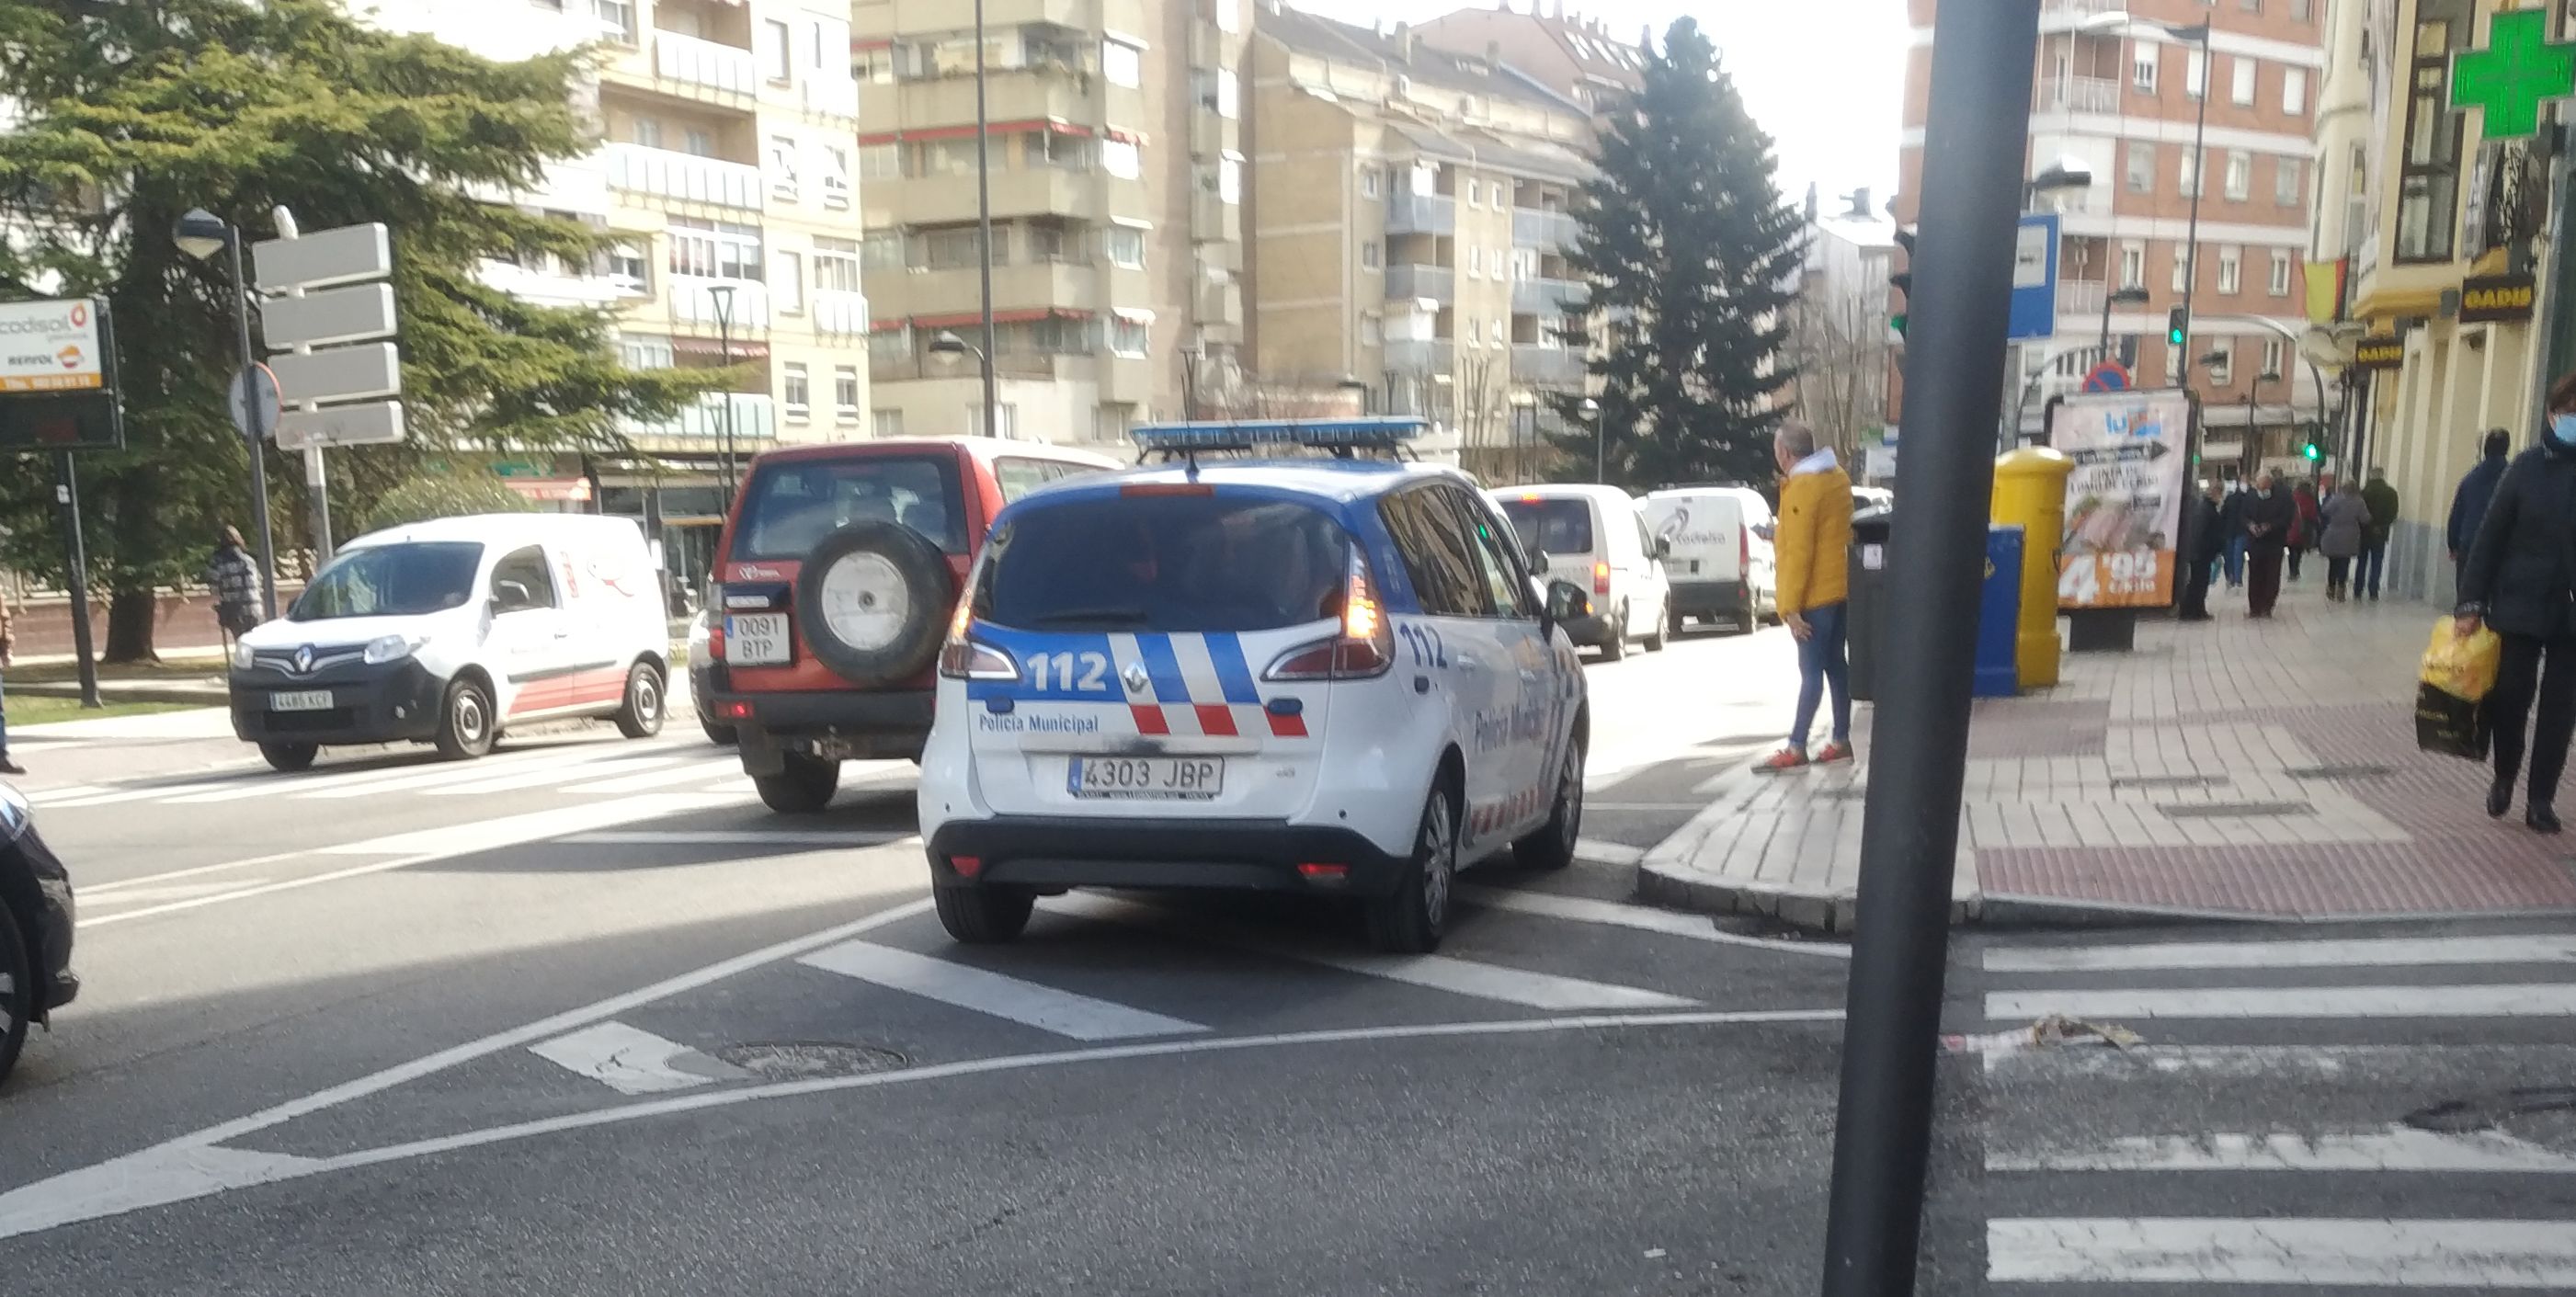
{"type": "Point", "coordinates": [1117, 183]}
{"type": "Point", "coordinates": [2118, 90]}
{"type": "Point", "coordinates": [1573, 55]}
{"type": "Point", "coordinates": [1839, 338]}
{"type": "Point", "coordinates": [1409, 223]}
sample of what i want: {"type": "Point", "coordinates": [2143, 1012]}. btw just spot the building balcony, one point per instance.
{"type": "Point", "coordinates": [902, 294]}
{"type": "Point", "coordinates": [1220, 305]}
{"type": "Point", "coordinates": [704, 67]}
{"type": "Point", "coordinates": [1212, 133]}
{"type": "Point", "coordinates": [828, 94]}
{"type": "Point", "coordinates": [1547, 366]}
{"type": "Point", "coordinates": [755, 418]}
{"type": "Point", "coordinates": [683, 177]}
{"type": "Point", "coordinates": [1534, 228]}
{"type": "Point", "coordinates": [2076, 94]}
{"type": "Point", "coordinates": [1049, 93]}
{"type": "Point", "coordinates": [552, 288]}
{"type": "Point", "coordinates": [693, 302]}
{"type": "Point", "coordinates": [1018, 192]}
{"type": "Point", "coordinates": [1420, 356]}
{"type": "Point", "coordinates": [2081, 297]}
{"type": "Point", "coordinates": [1412, 282]}
{"type": "Point", "coordinates": [887, 17]}
{"type": "Point", "coordinates": [1025, 366]}
{"type": "Point", "coordinates": [1548, 297]}
{"type": "Point", "coordinates": [840, 314]}
{"type": "Point", "coordinates": [1410, 213]}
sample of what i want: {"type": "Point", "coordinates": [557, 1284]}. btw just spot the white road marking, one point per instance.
{"type": "Point", "coordinates": [273, 784]}
{"type": "Point", "coordinates": [160, 892]}
{"type": "Point", "coordinates": [2371, 953]}
{"type": "Point", "coordinates": [90, 891]}
{"type": "Point", "coordinates": [619, 765]}
{"type": "Point", "coordinates": [192, 1167]}
{"type": "Point", "coordinates": [2535, 1000]}
{"type": "Point", "coordinates": [465, 772]}
{"type": "Point", "coordinates": [1608, 853]}
{"type": "Point", "coordinates": [1436, 972]}
{"type": "Point", "coordinates": [2398, 1148]}
{"type": "Point", "coordinates": [704, 768]}
{"type": "Point", "coordinates": [131, 793]}
{"type": "Point", "coordinates": [529, 826]}
{"type": "Point", "coordinates": [1027, 1003]}
{"type": "Point", "coordinates": [633, 1061]}
{"type": "Point", "coordinates": [50, 796]}
{"type": "Point", "coordinates": [2304, 1252]}
{"type": "Point", "coordinates": [734, 838]}
{"type": "Point", "coordinates": [1577, 909]}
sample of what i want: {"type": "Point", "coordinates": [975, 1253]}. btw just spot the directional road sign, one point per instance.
{"type": "Point", "coordinates": [370, 423]}
{"type": "Point", "coordinates": [359, 313]}
{"type": "Point", "coordinates": [351, 254]}
{"type": "Point", "coordinates": [358, 373]}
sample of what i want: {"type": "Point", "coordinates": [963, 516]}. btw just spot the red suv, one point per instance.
{"type": "Point", "coordinates": [836, 577]}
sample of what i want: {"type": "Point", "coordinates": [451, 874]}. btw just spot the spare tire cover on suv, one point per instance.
{"type": "Point", "coordinates": [873, 602]}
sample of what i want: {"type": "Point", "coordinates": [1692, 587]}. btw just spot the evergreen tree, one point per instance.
{"type": "Point", "coordinates": [128, 115]}
{"type": "Point", "coordinates": [1692, 260]}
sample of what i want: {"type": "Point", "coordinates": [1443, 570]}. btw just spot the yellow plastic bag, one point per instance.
{"type": "Point", "coordinates": [2463, 666]}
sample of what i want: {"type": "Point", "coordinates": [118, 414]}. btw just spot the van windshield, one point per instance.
{"type": "Point", "coordinates": [793, 505]}
{"type": "Point", "coordinates": [1166, 563]}
{"type": "Point", "coordinates": [392, 581]}
{"type": "Point", "coordinates": [1552, 526]}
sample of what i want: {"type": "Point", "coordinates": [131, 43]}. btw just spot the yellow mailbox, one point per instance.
{"type": "Point", "coordinates": [2030, 491]}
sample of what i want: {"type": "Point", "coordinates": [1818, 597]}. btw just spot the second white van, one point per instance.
{"type": "Point", "coordinates": [1721, 561]}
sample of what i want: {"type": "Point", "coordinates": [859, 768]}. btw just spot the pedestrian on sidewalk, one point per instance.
{"type": "Point", "coordinates": [1811, 545]}
{"type": "Point", "coordinates": [2347, 523]}
{"type": "Point", "coordinates": [2207, 542]}
{"type": "Point", "coordinates": [8, 644]}
{"type": "Point", "coordinates": [2268, 517]}
{"type": "Point", "coordinates": [2469, 502]}
{"type": "Point", "coordinates": [235, 581]}
{"type": "Point", "coordinates": [2231, 514]}
{"type": "Point", "coordinates": [2382, 500]}
{"type": "Point", "coordinates": [2518, 581]}
{"type": "Point", "coordinates": [2304, 532]}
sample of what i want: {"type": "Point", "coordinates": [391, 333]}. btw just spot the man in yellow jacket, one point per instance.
{"type": "Point", "coordinates": [1813, 545]}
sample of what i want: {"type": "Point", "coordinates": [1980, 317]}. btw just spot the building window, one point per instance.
{"type": "Point", "coordinates": [1368, 182]}
{"type": "Point", "coordinates": [836, 177]}
{"type": "Point", "coordinates": [2195, 74]}
{"type": "Point", "coordinates": [2303, 11]}
{"type": "Point", "coordinates": [845, 393]}
{"type": "Point", "coordinates": [836, 264]}
{"type": "Point", "coordinates": [714, 249]}
{"type": "Point", "coordinates": [782, 167]}
{"type": "Point", "coordinates": [2289, 181]}
{"type": "Point", "coordinates": [2143, 63]}
{"type": "Point", "coordinates": [1229, 178]}
{"type": "Point", "coordinates": [959, 247]}
{"type": "Point", "coordinates": [881, 250]}
{"type": "Point", "coordinates": [1056, 149]}
{"type": "Point", "coordinates": [1475, 263]}
{"type": "Point", "coordinates": [1125, 245]}
{"type": "Point", "coordinates": [2294, 91]}
{"type": "Point", "coordinates": [773, 50]}
{"type": "Point", "coordinates": [1501, 333]}
{"type": "Point", "coordinates": [2250, 6]}
{"type": "Point", "coordinates": [2280, 273]}
{"type": "Point", "coordinates": [1121, 158]}
{"type": "Point", "coordinates": [648, 132]}
{"type": "Point", "coordinates": [2231, 271]}
{"type": "Point", "coordinates": [2133, 265]}
{"type": "Point", "coordinates": [2428, 176]}
{"type": "Point", "coordinates": [1229, 94]}
{"type": "Point", "coordinates": [2222, 364]}
{"type": "Point", "coordinates": [2190, 172]}
{"type": "Point", "coordinates": [1122, 63]}
{"type": "Point", "coordinates": [698, 143]}
{"type": "Point", "coordinates": [2182, 269]}
{"type": "Point", "coordinates": [788, 282]}
{"type": "Point", "coordinates": [1006, 420]}
{"type": "Point", "coordinates": [2240, 175]}
{"type": "Point", "coordinates": [873, 66]}
{"type": "Point", "coordinates": [799, 400]}
{"type": "Point", "coordinates": [1129, 336]}
{"type": "Point", "coordinates": [2142, 166]}
{"type": "Point", "coordinates": [646, 353]}
{"type": "Point", "coordinates": [1371, 332]}
{"type": "Point", "coordinates": [1475, 194]}
{"type": "Point", "coordinates": [2273, 354]}
{"type": "Point", "coordinates": [2240, 86]}
{"type": "Point", "coordinates": [886, 423]}
{"type": "Point", "coordinates": [1368, 254]}
{"type": "Point", "coordinates": [880, 162]}
{"type": "Point", "coordinates": [631, 268]}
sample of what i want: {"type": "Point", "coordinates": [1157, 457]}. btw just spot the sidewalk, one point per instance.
{"type": "Point", "coordinates": [2239, 769]}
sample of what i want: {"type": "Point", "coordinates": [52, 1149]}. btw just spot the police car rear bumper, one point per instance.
{"type": "Point", "coordinates": [1230, 854]}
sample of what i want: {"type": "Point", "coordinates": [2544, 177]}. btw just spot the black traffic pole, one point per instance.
{"type": "Point", "coordinates": [76, 575]}
{"type": "Point", "coordinates": [259, 430]}
{"type": "Point", "coordinates": [1982, 54]}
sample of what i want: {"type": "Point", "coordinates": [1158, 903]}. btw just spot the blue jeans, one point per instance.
{"type": "Point", "coordinates": [1821, 661]}
{"type": "Point", "coordinates": [2235, 560]}
{"type": "Point", "coordinates": [2374, 561]}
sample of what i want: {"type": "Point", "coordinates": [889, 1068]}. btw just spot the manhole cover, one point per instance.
{"type": "Point", "coordinates": [803, 1060]}
{"type": "Point", "coordinates": [2232, 810]}
{"type": "Point", "coordinates": [2349, 771]}
{"type": "Point", "coordinates": [2167, 781]}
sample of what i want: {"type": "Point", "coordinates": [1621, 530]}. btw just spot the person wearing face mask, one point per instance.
{"type": "Point", "coordinates": [2520, 580]}
{"type": "Point", "coordinates": [2268, 519]}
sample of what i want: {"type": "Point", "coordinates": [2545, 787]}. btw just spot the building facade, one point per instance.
{"type": "Point", "coordinates": [2117, 94]}
{"type": "Point", "coordinates": [1839, 337]}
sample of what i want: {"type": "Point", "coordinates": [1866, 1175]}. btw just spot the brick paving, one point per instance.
{"type": "Point", "coordinates": [2256, 769]}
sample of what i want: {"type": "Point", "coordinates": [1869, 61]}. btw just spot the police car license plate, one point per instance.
{"type": "Point", "coordinates": [756, 639]}
{"type": "Point", "coordinates": [1162, 778]}
{"type": "Point", "coordinates": [300, 700]}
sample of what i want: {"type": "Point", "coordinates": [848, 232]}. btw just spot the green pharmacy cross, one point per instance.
{"type": "Point", "coordinates": [2516, 71]}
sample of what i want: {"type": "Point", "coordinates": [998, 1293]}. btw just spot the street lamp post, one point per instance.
{"type": "Point", "coordinates": [201, 234]}
{"type": "Point", "coordinates": [1189, 383]}
{"type": "Point", "coordinates": [722, 296]}
{"type": "Point", "coordinates": [2129, 296]}
{"type": "Point", "coordinates": [1600, 439]}
{"type": "Point", "coordinates": [948, 346]}
{"type": "Point", "coordinates": [2198, 33]}
{"type": "Point", "coordinates": [984, 230]}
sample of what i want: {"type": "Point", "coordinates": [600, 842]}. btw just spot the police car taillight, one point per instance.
{"type": "Point", "coordinates": [964, 657]}
{"type": "Point", "coordinates": [1365, 647]}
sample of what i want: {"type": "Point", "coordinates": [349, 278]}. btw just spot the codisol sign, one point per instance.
{"type": "Point", "coordinates": [2496, 299]}
{"type": "Point", "coordinates": [50, 347]}
{"type": "Point", "coordinates": [2379, 351]}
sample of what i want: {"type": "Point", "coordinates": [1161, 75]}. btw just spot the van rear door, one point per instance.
{"type": "Point", "coordinates": [1707, 535]}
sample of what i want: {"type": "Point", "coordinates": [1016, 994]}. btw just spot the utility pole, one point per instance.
{"type": "Point", "coordinates": [1977, 128]}
{"type": "Point", "coordinates": [984, 229]}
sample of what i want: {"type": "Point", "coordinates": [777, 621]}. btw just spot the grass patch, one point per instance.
{"type": "Point", "coordinates": [24, 710]}
{"type": "Point", "coordinates": [172, 669]}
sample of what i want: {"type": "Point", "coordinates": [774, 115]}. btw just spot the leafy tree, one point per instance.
{"type": "Point", "coordinates": [444, 495]}
{"type": "Point", "coordinates": [131, 114]}
{"type": "Point", "coordinates": [1692, 260]}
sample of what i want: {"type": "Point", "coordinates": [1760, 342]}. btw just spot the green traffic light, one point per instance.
{"type": "Point", "coordinates": [1897, 322]}
{"type": "Point", "coordinates": [2312, 451]}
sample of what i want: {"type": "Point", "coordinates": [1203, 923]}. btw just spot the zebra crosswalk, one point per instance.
{"type": "Point", "coordinates": [2383, 1112]}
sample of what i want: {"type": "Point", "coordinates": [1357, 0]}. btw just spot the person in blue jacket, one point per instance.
{"type": "Point", "coordinates": [2477, 491]}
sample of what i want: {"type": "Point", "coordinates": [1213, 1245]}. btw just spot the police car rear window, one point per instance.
{"type": "Point", "coordinates": [793, 505]}
{"type": "Point", "coordinates": [1553, 526]}
{"type": "Point", "coordinates": [1164, 563]}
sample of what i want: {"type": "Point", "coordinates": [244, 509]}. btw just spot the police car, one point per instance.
{"type": "Point", "coordinates": [1328, 676]}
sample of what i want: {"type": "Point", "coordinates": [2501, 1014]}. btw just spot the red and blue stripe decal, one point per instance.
{"type": "Point", "coordinates": [1195, 683]}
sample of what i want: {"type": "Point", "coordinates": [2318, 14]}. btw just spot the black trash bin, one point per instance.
{"type": "Point", "coordinates": [1868, 610]}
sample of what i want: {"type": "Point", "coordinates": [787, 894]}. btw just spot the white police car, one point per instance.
{"type": "Point", "coordinates": [1324, 676]}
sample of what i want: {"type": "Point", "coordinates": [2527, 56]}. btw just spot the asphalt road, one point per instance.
{"type": "Point", "coordinates": [584, 1018]}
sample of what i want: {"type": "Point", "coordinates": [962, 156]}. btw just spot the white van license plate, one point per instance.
{"type": "Point", "coordinates": [303, 700]}
{"type": "Point", "coordinates": [1160, 778]}
{"type": "Point", "coordinates": [756, 639]}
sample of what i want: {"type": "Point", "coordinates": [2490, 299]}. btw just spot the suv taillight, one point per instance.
{"type": "Point", "coordinates": [1364, 648]}
{"type": "Point", "coordinates": [964, 657]}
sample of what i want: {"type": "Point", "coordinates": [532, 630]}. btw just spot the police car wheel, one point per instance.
{"type": "Point", "coordinates": [17, 992]}
{"type": "Point", "coordinates": [1552, 847]}
{"type": "Point", "coordinates": [289, 757]}
{"type": "Point", "coordinates": [873, 602]}
{"type": "Point", "coordinates": [641, 716]}
{"type": "Point", "coordinates": [1411, 919]}
{"type": "Point", "coordinates": [983, 916]}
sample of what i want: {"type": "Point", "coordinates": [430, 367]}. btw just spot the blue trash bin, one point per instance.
{"type": "Point", "coordinates": [1999, 615]}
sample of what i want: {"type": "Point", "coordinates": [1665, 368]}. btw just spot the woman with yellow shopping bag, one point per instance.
{"type": "Point", "coordinates": [2520, 581]}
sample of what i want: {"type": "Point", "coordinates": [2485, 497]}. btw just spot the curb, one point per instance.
{"type": "Point", "coordinates": [182, 695]}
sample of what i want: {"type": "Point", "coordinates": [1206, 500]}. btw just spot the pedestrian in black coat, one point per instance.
{"type": "Point", "coordinates": [2269, 517]}
{"type": "Point", "coordinates": [2206, 540]}
{"type": "Point", "coordinates": [2520, 581]}
{"type": "Point", "coordinates": [2469, 503]}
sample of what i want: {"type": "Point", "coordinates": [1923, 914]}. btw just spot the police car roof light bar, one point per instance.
{"type": "Point", "coordinates": [1340, 436]}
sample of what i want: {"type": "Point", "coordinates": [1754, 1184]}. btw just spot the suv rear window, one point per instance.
{"type": "Point", "coordinates": [793, 505]}
{"type": "Point", "coordinates": [1166, 563]}
{"type": "Point", "coordinates": [1552, 526]}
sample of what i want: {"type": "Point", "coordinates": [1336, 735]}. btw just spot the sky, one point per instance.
{"type": "Point", "coordinates": [1832, 113]}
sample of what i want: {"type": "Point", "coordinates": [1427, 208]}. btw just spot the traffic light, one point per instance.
{"type": "Point", "coordinates": [2311, 450]}
{"type": "Point", "coordinates": [1903, 281]}
{"type": "Point", "coordinates": [2177, 326]}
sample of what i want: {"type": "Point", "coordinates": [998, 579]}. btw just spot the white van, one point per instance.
{"type": "Point", "coordinates": [1592, 536]}
{"type": "Point", "coordinates": [1721, 560]}
{"type": "Point", "coordinates": [452, 631]}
